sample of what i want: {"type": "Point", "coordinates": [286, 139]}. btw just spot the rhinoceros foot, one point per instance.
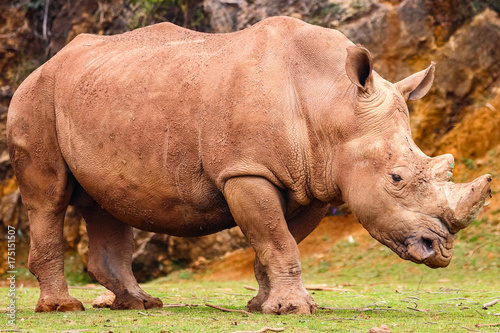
{"type": "Point", "coordinates": [127, 301]}
{"type": "Point", "coordinates": [50, 303]}
{"type": "Point", "coordinates": [255, 304]}
{"type": "Point", "coordinates": [289, 302]}
{"type": "Point", "coordinates": [105, 300]}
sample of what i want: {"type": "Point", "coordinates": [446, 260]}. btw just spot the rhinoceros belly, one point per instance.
{"type": "Point", "coordinates": [160, 203]}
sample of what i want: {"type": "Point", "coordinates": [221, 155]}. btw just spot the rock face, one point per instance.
{"type": "Point", "coordinates": [174, 252]}
{"type": "Point", "coordinates": [460, 115]}
{"type": "Point", "coordinates": [233, 15]}
{"type": "Point", "coordinates": [406, 37]}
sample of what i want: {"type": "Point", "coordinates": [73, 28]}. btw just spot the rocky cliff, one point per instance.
{"type": "Point", "coordinates": [461, 114]}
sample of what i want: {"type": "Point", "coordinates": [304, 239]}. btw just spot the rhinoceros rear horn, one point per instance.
{"type": "Point", "coordinates": [359, 67]}
{"type": "Point", "coordinates": [417, 85]}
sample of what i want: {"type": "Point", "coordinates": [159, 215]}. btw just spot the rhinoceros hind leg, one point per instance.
{"type": "Point", "coordinates": [46, 190]}
{"type": "Point", "coordinates": [45, 186]}
{"type": "Point", "coordinates": [110, 259]}
{"type": "Point", "coordinates": [46, 262]}
{"type": "Point", "coordinates": [46, 257]}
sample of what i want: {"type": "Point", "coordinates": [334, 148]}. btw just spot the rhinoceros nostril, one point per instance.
{"type": "Point", "coordinates": [427, 249]}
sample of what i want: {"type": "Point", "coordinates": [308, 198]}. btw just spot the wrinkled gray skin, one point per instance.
{"type": "Point", "coordinates": [179, 132]}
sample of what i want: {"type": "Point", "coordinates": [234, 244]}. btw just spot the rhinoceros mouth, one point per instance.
{"type": "Point", "coordinates": [432, 247]}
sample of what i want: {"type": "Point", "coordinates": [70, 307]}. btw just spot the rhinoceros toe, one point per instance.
{"type": "Point", "coordinates": [127, 301]}
{"type": "Point", "coordinates": [50, 304]}
{"type": "Point", "coordinates": [290, 303]}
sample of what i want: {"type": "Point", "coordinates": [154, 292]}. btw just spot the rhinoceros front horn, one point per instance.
{"type": "Point", "coordinates": [465, 201]}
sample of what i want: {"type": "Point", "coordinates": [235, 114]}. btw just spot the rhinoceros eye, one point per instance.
{"type": "Point", "coordinates": [396, 178]}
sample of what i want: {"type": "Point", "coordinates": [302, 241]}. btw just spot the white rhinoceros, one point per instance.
{"type": "Point", "coordinates": [186, 133]}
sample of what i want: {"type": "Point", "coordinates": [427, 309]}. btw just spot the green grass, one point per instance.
{"type": "Point", "coordinates": [442, 309]}
{"type": "Point", "coordinates": [383, 290]}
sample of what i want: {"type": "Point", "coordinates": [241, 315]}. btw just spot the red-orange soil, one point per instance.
{"type": "Point", "coordinates": [238, 265]}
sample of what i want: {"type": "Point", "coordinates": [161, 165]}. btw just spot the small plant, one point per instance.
{"type": "Point", "coordinates": [186, 275]}
{"type": "Point", "coordinates": [199, 18]}
{"type": "Point", "coordinates": [480, 221]}
{"type": "Point", "coordinates": [324, 266]}
{"type": "Point", "coordinates": [25, 67]}
{"type": "Point", "coordinates": [35, 4]}
{"type": "Point", "coordinates": [147, 10]}
{"type": "Point", "coordinates": [469, 163]}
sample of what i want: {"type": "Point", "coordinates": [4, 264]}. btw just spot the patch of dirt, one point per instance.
{"type": "Point", "coordinates": [238, 265]}
{"type": "Point", "coordinates": [477, 134]}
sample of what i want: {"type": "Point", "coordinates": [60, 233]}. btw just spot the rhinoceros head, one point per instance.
{"type": "Point", "coordinates": [405, 199]}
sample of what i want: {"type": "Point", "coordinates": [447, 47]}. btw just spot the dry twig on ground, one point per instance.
{"type": "Point", "coordinates": [320, 288]}
{"type": "Point", "coordinates": [487, 325]}
{"type": "Point", "coordinates": [227, 310]}
{"type": "Point", "coordinates": [179, 305]}
{"type": "Point", "coordinates": [490, 304]}
{"type": "Point", "coordinates": [264, 329]}
{"type": "Point", "coordinates": [358, 309]}
{"type": "Point", "coordinates": [414, 308]}
{"type": "Point", "coordinates": [87, 287]}
{"type": "Point", "coordinates": [312, 288]}
{"type": "Point", "coordinates": [251, 288]}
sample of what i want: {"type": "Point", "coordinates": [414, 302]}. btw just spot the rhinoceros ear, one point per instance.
{"type": "Point", "coordinates": [358, 67]}
{"type": "Point", "coordinates": [417, 85]}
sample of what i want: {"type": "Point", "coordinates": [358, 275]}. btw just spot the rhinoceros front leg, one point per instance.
{"type": "Point", "coordinates": [300, 226]}
{"type": "Point", "coordinates": [257, 207]}
{"type": "Point", "coordinates": [255, 304]}
{"type": "Point", "coordinates": [111, 244]}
